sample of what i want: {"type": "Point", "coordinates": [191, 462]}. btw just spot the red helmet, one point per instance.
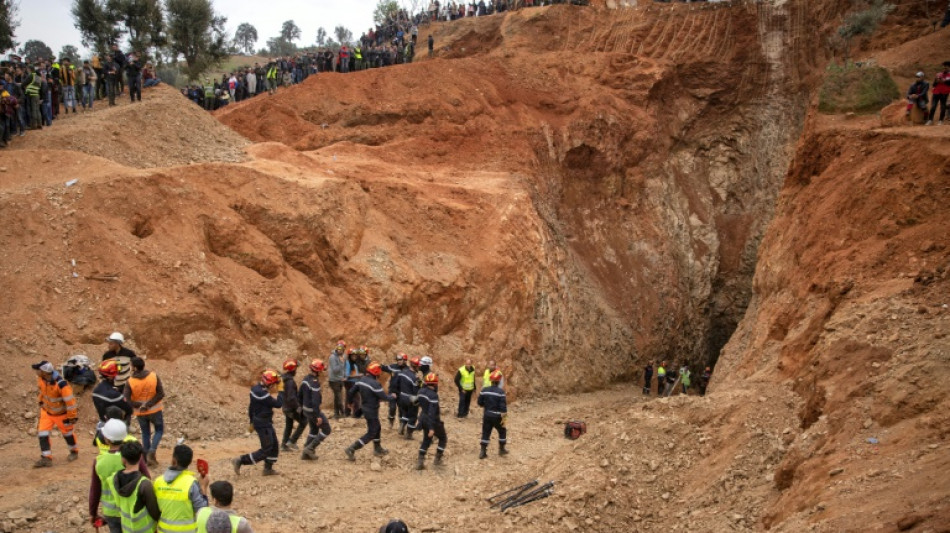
{"type": "Point", "coordinates": [495, 377]}
{"type": "Point", "coordinates": [351, 351]}
{"type": "Point", "coordinates": [402, 357]}
{"type": "Point", "coordinates": [341, 342]}
{"type": "Point", "coordinates": [109, 369]}
{"type": "Point", "coordinates": [317, 366]}
{"type": "Point", "coordinates": [270, 377]}
{"type": "Point", "coordinates": [364, 350]}
{"type": "Point", "coordinates": [415, 362]}
{"type": "Point", "coordinates": [431, 379]}
{"type": "Point", "coordinates": [374, 369]}
{"type": "Point", "coordinates": [290, 365]}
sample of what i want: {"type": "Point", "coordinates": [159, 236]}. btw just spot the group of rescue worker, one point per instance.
{"type": "Point", "coordinates": [412, 393]}
{"type": "Point", "coordinates": [124, 497]}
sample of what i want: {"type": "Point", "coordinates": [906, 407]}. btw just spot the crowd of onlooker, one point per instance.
{"type": "Point", "coordinates": [393, 42]}
{"type": "Point", "coordinates": [32, 94]}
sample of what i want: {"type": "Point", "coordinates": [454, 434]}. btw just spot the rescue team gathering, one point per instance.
{"type": "Point", "coordinates": [124, 496]}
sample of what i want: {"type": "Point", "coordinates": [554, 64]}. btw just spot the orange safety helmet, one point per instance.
{"type": "Point", "coordinates": [109, 369]}
{"type": "Point", "coordinates": [374, 369]}
{"type": "Point", "coordinates": [270, 377]}
{"type": "Point", "coordinates": [317, 366]}
{"type": "Point", "coordinates": [364, 350]}
{"type": "Point", "coordinates": [290, 365]}
{"type": "Point", "coordinates": [401, 356]}
{"type": "Point", "coordinates": [431, 379]}
{"type": "Point", "coordinates": [495, 377]}
{"type": "Point", "coordinates": [415, 362]}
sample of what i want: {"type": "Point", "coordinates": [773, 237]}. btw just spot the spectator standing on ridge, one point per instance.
{"type": "Point", "coordinates": [940, 91]}
{"type": "Point", "coordinates": [431, 45]}
{"type": "Point", "coordinates": [917, 94]}
{"type": "Point", "coordinates": [133, 75]}
{"type": "Point", "coordinates": [68, 78]}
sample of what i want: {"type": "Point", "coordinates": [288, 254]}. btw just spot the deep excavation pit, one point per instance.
{"type": "Point", "coordinates": [570, 191]}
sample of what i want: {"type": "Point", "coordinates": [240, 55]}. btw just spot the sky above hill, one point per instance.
{"type": "Point", "coordinates": [51, 21]}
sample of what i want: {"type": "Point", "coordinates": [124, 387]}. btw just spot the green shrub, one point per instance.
{"type": "Point", "coordinates": [862, 90]}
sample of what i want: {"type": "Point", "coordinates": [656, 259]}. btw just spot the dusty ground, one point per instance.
{"type": "Point", "coordinates": [569, 191]}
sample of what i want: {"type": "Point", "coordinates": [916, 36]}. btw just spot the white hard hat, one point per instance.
{"type": "Point", "coordinates": [114, 430]}
{"type": "Point", "coordinates": [920, 74]}
{"type": "Point", "coordinates": [426, 361]}
{"type": "Point", "coordinates": [116, 337]}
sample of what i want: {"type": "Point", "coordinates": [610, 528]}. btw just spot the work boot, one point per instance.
{"type": "Point", "coordinates": [408, 435]}
{"type": "Point", "coordinates": [350, 453]}
{"type": "Point", "coordinates": [484, 453]}
{"type": "Point", "coordinates": [151, 460]}
{"type": "Point", "coordinates": [285, 447]}
{"type": "Point", "coordinates": [43, 462]}
{"type": "Point", "coordinates": [402, 428]}
{"type": "Point", "coordinates": [293, 446]}
{"type": "Point", "coordinates": [438, 459]}
{"type": "Point", "coordinates": [501, 449]}
{"type": "Point", "coordinates": [269, 470]}
{"type": "Point", "coordinates": [236, 465]}
{"type": "Point", "coordinates": [73, 455]}
{"type": "Point", "coordinates": [421, 462]}
{"type": "Point", "coordinates": [378, 450]}
{"type": "Point", "coordinates": [308, 455]}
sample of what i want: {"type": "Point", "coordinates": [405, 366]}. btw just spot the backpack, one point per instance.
{"type": "Point", "coordinates": [574, 429]}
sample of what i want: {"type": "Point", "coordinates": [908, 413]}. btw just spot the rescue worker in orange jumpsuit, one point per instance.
{"type": "Point", "coordinates": [57, 409]}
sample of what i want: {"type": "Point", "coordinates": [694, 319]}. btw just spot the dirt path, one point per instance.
{"type": "Point", "coordinates": [332, 493]}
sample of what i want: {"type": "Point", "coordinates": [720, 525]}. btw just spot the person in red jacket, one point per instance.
{"type": "Point", "coordinates": [940, 91]}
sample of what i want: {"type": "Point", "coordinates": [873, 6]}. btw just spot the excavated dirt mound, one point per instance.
{"type": "Point", "coordinates": [162, 130]}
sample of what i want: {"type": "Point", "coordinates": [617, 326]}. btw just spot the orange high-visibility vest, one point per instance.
{"type": "Point", "coordinates": [57, 398]}
{"type": "Point", "coordinates": [143, 390]}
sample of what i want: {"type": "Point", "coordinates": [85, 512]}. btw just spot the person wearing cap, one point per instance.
{"type": "Point", "coordinates": [917, 94]}
{"type": "Point", "coordinates": [940, 91]}
{"type": "Point", "coordinates": [292, 413]}
{"type": "Point", "coordinates": [219, 517]}
{"type": "Point", "coordinates": [180, 494]}
{"type": "Point", "coordinates": [495, 403]}
{"type": "Point", "coordinates": [57, 409]}
{"type": "Point", "coordinates": [107, 463]}
{"type": "Point", "coordinates": [371, 393]}
{"type": "Point", "coordinates": [430, 420]}
{"type": "Point", "coordinates": [107, 395]}
{"type": "Point", "coordinates": [265, 398]}
{"type": "Point", "coordinates": [121, 355]}
{"type": "Point", "coordinates": [145, 393]}
{"type": "Point", "coordinates": [311, 398]}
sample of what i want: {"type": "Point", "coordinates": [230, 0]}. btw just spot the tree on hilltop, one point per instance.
{"type": "Point", "coordinates": [246, 37]}
{"type": "Point", "coordinates": [96, 23]}
{"type": "Point", "coordinates": [385, 11]}
{"type": "Point", "coordinates": [34, 51]}
{"type": "Point", "coordinates": [196, 32]}
{"type": "Point", "coordinates": [343, 35]}
{"type": "Point", "coordinates": [143, 20]}
{"type": "Point", "coordinates": [289, 32]}
{"type": "Point", "coordinates": [321, 37]}
{"type": "Point", "coordinates": [69, 51]}
{"type": "Point", "coordinates": [8, 24]}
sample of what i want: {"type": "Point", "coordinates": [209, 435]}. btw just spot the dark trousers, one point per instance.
{"type": "Point", "coordinates": [488, 424]}
{"type": "Point", "coordinates": [269, 448]}
{"type": "Point", "coordinates": [647, 381]}
{"type": "Point", "coordinates": [393, 407]}
{"type": "Point", "coordinates": [337, 388]}
{"type": "Point", "coordinates": [439, 430]}
{"type": "Point", "coordinates": [408, 414]}
{"type": "Point", "coordinates": [373, 430]}
{"type": "Point", "coordinates": [111, 89]}
{"type": "Point", "coordinates": [318, 432]}
{"type": "Point", "coordinates": [942, 100]}
{"type": "Point", "coordinates": [135, 88]}
{"type": "Point", "coordinates": [36, 120]}
{"type": "Point", "coordinates": [465, 402]}
{"type": "Point", "coordinates": [291, 418]}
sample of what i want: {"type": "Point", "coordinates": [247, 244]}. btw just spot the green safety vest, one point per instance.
{"type": "Point", "coordinates": [485, 381]}
{"type": "Point", "coordinates": [468, 379]}
{"type": "Point", "coordinates": [205, 512]}
{"type": "Point", "coordinates": [132, 522]}
{"type": "Point", "coordinates": [107, 464]}
{"type": "Point", "coordinates": [209, 91]}
{"type": "Point", "coordinates": [104, 448]}
{"type": "Point", "coordinates": [272, 73]}
{"type": "Point", "coordinates": [359, 53]}
{"type": "Point", "coordinates": [177, 514]}
{"type": "Point", "coordinates": [33, 88]}
{"type": "Point", "coordinates": [660, 372]}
